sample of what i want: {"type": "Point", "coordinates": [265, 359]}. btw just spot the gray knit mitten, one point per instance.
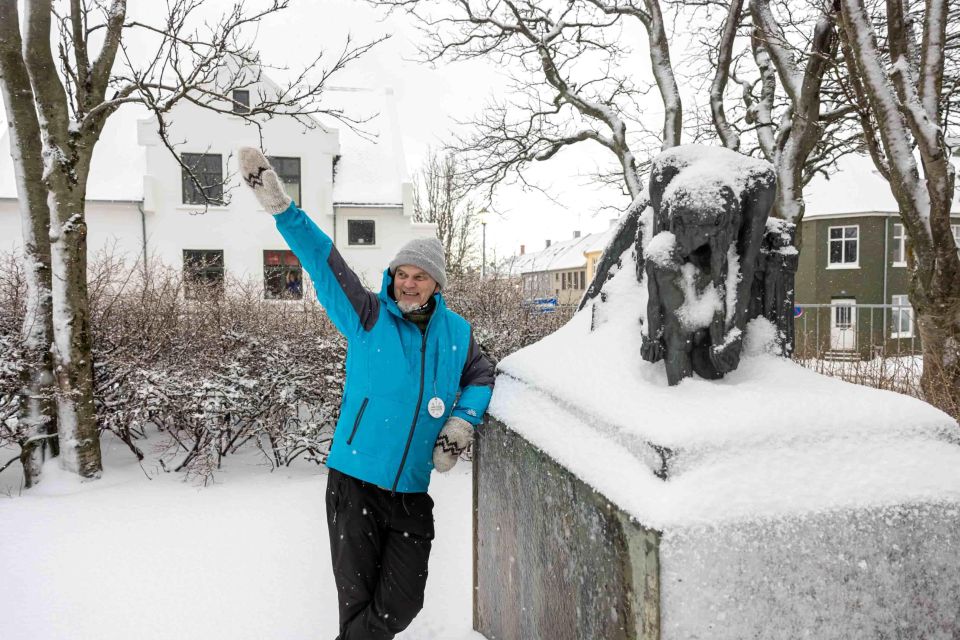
{"type": "Point", "coordinates": [455, 437]}
{"type": "Point", "coordinates": [260, 176]}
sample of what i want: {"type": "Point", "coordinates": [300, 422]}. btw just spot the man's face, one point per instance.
{"type": "Point", "coordinates": [412, 287]}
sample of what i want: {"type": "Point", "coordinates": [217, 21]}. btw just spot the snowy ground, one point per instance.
{"type": "Point", "coordinates": [132, 557]}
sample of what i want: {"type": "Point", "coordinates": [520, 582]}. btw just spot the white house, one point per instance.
{"type": "Point", "coordinates": [355, 186]}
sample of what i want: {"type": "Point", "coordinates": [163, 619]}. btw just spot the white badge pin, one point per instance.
{"type": "Point", "coordinates": [436, 407]}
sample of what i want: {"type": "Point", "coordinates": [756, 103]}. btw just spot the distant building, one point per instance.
{"type": "Point", "coordinates": [853, 261]}
{"type": "Point", "coordinates": [140, 202]}
{"type": "Point", "coordinates": [562, 270]}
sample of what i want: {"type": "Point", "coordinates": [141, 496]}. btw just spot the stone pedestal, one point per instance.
{"type": "Point", "coordinates": [555, 559]}
{"type": "Point", "coordinates": [552, 557]}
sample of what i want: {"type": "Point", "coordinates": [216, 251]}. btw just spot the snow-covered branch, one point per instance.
{"type": "Point", "coordinates": [728, 135]}
{"type": "Point", "coordinates": [777, 47]}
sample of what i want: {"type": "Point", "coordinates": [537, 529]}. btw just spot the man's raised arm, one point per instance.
{"type": "Point", "coordinates": [351, 307]}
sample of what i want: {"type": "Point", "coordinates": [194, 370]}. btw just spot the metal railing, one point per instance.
{"type": "Point", "coordinates": [875, 345]}
{"type": "Point", "coordinates": [862, 331]}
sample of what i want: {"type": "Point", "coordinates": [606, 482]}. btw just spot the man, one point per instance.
{"type": "Point", "coordinates": [417, 385]}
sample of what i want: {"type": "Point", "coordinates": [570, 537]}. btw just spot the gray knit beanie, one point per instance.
{"type": "Point", "coordinates": [425, 253]}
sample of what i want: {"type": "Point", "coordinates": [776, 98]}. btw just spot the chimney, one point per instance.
{"type": "Point", "coordinates": [576, 234]}
{"type": "Point", "coordinates": [548, 244]}
{"type": "Point", "coordinates": [523, 249]}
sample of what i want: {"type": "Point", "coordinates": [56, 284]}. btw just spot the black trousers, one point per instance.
{"type": "Point", "coordinates": [380, 544]}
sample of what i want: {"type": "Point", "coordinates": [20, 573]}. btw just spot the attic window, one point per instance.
{"type": "Point", "coordinates": [241, 101]}
{"type": "Point", "coordinates": [361, 232]}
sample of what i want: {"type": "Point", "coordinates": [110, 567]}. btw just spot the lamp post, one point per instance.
{"type": "Point", "coordinates": [483, 243]}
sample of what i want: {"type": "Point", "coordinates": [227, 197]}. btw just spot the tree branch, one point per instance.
{"type": "Point", "coordinates": [727, 133]}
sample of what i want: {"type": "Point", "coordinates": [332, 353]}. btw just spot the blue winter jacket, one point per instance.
{"type": "Point", "coordinates": [385, 434]}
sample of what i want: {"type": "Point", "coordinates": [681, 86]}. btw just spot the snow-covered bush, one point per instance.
{"type": "Point", "coordinates": [502, 323]}
{"type": "Point", "coordinates": [214, 374]}
{"type": "Point", "coordinates": [196, 380]}
{"type": "Point", "coordinates": [12, 357]}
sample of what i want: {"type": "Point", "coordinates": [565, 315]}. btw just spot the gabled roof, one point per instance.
{"type": "Point", "coordinates": [569, 254]}
{"type": "Point", "coordinates": [372, 168]}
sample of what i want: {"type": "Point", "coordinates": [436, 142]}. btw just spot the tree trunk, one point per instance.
{"type": "Point", "coordinates": [79, 436]}
{"type": "Point", "coordinates": [38, 411]}
{"type": "Point", "coordinates": [939, 326]}
{"type": "Point", "coordinates": [904, 123]}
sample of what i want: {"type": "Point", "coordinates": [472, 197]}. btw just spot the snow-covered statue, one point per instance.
{"type": "Point", "coordinates": [710, 209]}
{"type": "Point", "coordinates": [775, 278]}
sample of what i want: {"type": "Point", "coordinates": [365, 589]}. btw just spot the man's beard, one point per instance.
{"type": "Point", "coordinates": [407, 307]}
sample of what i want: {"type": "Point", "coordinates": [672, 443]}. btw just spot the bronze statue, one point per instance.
{"type": "Point", "coordinates": [710, 215]}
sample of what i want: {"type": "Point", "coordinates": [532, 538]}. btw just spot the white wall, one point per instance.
{"type": "Point", "coordinates": [393, 230]}
{"type": "Point", "coordinates": [10, 238]}
{"type": "Point", "coordinates": [241, 228]}
{"type": "Point", "coordinates": [111, 226]}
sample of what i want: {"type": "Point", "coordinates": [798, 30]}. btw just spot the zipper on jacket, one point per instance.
{"type": "Point", "coordinates": [416, 413]}
{"type": "Point", "coordinates": [356, 423]}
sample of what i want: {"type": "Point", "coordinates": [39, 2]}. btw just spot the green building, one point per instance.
{"type": "Point", "coordinates": [852, 277]}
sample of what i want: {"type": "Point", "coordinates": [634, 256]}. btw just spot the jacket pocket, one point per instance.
{"type": "Point", "coordinates": [356, 423]}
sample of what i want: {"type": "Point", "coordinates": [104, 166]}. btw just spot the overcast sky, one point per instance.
{"type": "Point", "coordinates": [430, 101]}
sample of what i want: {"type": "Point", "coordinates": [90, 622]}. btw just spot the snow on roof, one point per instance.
{"type": "Point", "coordinates": [771, 439]}
{"type": "Point", "coordinates": [372, 167]}
{"type": "Point", "coordinates": [118, 166]}
{"type": "Point", "coordinates": [856, 187]}
{"type": "Point", "coordinates": [568, 254]}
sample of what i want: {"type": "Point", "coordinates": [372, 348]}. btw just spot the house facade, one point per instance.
{"type": "Point", "coordinates": [141, 202]}
{"type": "Point", "coordinates": [562, 270]}
{"type": "Point", "coordinates": [852, 280]}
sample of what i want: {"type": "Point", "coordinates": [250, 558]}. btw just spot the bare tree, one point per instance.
{"type": "Point", "coordinates": [440, 197]}
{"type": "Point", "coordinates": [789, 104]}
{"type": "Point", "coordinates": [37, 414]}
{"type": "Point", "coordinates": [557, 100]}
{"type": "Point", "coordinates": [804, 123]}
{"type": "Point", "coordinates": [906, 108]}
{"type": "Point", "coordinates": [64, 70]}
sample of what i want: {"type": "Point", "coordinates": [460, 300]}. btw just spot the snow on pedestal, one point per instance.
{"type": "Point", "coordinates": [774, 503]}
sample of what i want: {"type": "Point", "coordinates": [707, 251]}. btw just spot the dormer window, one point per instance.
{"type": "Point", "coordinates": [241, 101]}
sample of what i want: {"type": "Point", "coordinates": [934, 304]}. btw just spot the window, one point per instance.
{"type": "Point", "coordinates": [241, 101]}
{"type": "Point", "coordinates": [361, 232]}
{"type": "Point", "coordinates": [899, 246]}
{"type": "Point", "coordinates": [583, 279]}
{"type": "Point", "coordinates": [282, 276]}
{"type": "Point", "coordinates": [844, 243]}
{"type": "Point", "coordinates": [902, 325]}
{"type": "Point", "coordinates": [289, 171]}
{"type": "Point", "coordinates": [843, 316]}
{"type": "Point", "coordinates": [202, 273]}
{"type": "Point", "coordinates": [208, 169]}
{"type": "Point", "coordinates": [572, 280]}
